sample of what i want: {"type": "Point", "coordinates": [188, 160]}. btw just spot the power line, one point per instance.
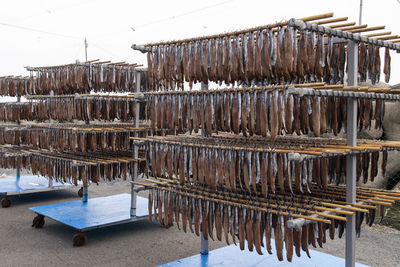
{"type": "Point", "coordinates": [183, 14]}
{"type": "Point", "coordinates": [40, 31]}
{"type": "Point", "coordinates": [59, 35]}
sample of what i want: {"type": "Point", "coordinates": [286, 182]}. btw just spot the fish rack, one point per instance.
{"type": "Point", "coordinates": [296, 69]}
{"type": "Point", "coordinates": [74, 128]}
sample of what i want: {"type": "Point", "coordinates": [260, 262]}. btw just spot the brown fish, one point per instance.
{"type": "Point", "coordinates": [252, 114]}
{"type": "Point", "coordinates": [235, 113]}
{"type": "Point", "coordinates": [278, 237]}
{"type": "Point", "coordinates": [177, 210]}
{"type": "Point", "coordinates": [181, 167]}
{"type": "Point", "coordinates": [196, 218]}
{"type": "Point", "coordinates": [257, 235]}
{"type": "Point", "coordinates": [324, 172]}
{"type": "Point", "coordinates": [244, 114]}
{"type": "Point", "coordinates": [321, 233]}
{"type": "Point", "coordinates": [241, 229]}
{"type": "Point", "coordinates": [297, 241]}
{"type": "Point", "coordinates": [246, 177]}
{"type": "Point", "coordinates": [249, 231]}
{"type": "Point", "coordinates": [316, 119]}
{"type": "Point", "coordinates": [204, 220]}
{"type": "Point", "coordinates": [311, 235]}
{"type": "Point", "coordinates": [264, 174]}
{"type": "Point", "coordinates": [210, 218]}
{"type": "Point", "coordinates": [195, 114]}
{"type": "Point", "coordinates": [332, 229]}
{"type": "Point", "coordinates": [218, 223]}
{"type": "Point", "coordinates": [304, 240]}
{"type": "Point", "coordinates": [271, 174]}
{"type": "Point", "coordinates": [184, 213]}
{"type": "Point", "coordinates": [280, 172]}
{"type": "Point", "coordinates": [268, 233]}
{"type": "Point", "coordinates": [225, 221]}
{"type": "Point", "coordinates": [288, 241]}
{"type": "Point", "coordinates": [296, 116]}
{"type": "Point", "coordinates": [273, 104]}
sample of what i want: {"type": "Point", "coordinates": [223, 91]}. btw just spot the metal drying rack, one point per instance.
{"type": "Point", "coordinates": [342, 33]}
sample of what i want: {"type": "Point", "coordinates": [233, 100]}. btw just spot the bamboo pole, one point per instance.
{"type": "Point", "coordinates": [269, 209]}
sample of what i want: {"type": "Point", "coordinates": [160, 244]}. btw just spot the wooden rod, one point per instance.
{"type": "Point", "coordinates": [326, 21]}
{"type": "Point", "coordinates": [377, 34]}
{"type": "Point", "coordinates": [341, 25]}
{"type": "Point", "coordinates": [353, 27]}
{"type": "Point", "coordinates": [367, 29]}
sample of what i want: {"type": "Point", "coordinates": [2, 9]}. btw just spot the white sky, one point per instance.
{"type": "Point", "coordinates": [107, 25]}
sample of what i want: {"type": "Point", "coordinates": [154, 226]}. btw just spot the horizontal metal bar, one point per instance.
{"type": "Point", "coordinates": [301, 25]}
{"type": "Point", "coordinates": [337, 93]}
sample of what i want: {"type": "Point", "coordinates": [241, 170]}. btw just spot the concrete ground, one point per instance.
{"type": "Point", "coordinates": [136, 244]}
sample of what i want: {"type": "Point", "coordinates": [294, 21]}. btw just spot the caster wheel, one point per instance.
{"type": "Point", "coordinates": [6, 202]}
{"type": "Point", "coordinates": [80, 192]}
{"type": "Point", "coordinates": [38, 221]}
{"type": "Point", "coordinates": [79, 239]}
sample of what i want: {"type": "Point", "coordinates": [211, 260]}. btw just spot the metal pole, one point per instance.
{"type": "Point", "coordinates": [204, 242]}
{"type": "Point", "coordinates": [86, 46]}
{"type": "Point", "coordinates": [204, 246]}
{"type": "Point", "coordinates": [85, 195]}
{"type": "Point", "coordinates": [352, 49]}
{"type": "Point", "coordinates": [361, 6]}
{"type": "Point", "coordinates": [51, 122]}
{"type": "Point", "coordinates": [134, 174]}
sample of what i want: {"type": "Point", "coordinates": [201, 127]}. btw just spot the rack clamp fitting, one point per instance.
{"type": "Point", "coordinates": [140, 48]}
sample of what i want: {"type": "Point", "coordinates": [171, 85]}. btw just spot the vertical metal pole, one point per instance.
{"type": "Point", "coordinates": [204, 242]}
{"type": "Point", "coordinates": [51, 122]}
{"type": "Point", "coordinates": [361, 6]}
{"type": "Point", "coordinates": [352, 49]}
{"type": "Point", "coordinates": [86, 46]}
{"type": "Point", "coordinates": [134, 175]}
{"type": "Point", "coordinates": [18, 170]}
{"type": "Point", "coordinates": [204, 246]}
{"type": "Point", "coordinates": [85, 195]}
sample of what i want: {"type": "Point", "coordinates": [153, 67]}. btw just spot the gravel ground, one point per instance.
{"type": "Point", "coordinates": [136, 244]}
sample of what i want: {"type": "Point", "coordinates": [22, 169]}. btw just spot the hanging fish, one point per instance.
{"type": "Point", "coordinates": [386, 66]}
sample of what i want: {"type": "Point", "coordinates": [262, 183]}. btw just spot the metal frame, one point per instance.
{"type": "Point", "coordinates": [134, 176]}
{"type": "Point", "coordinates": [351, 176]}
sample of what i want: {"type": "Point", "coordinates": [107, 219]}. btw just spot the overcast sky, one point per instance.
{"type": "Point", "coordinates": [43, 33]}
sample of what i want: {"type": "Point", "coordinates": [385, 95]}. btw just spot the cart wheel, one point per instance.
{"type": "Point", "coordinates": [79, 239]}
{"type": "Point", "coordinates": [6, 202]}
{"type": "Point", "coordinates": [38, 221]}
{"type": "Point", "coordinates": [80, 192]}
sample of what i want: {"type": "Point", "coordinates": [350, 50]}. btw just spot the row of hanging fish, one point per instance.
{"type": "Point", "coordinates": [258, 112]}
{"type": "Point", "coordinates": [216, 218]}
{"type": "Point", "coordinates": [71, 109]}
{"type": "Point", "coordinates": [73, 140]}
{"type": "Point", "coordinates": [369, 63]}
{"type": "Point", "coordinates": [268, 56]}
{"type": "Point", "coordinates": [243, 169]}
{"type": "Point", "coordinates": [67, 170]}
{"type": "Point", "coordinates": [80, 79]}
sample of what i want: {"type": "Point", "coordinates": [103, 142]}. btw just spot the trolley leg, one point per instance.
{"type": "Point", "coordinates": [79, 239]}
{"type": "Point", "coordinates": [6, 201]}
{"type": "Point", "coordinates": [85, 193]}
{"type": "Point", "coordinates": [204, 246]}
{"type": "Point", "coordinates": [38, 221]}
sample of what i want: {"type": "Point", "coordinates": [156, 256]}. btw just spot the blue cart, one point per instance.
{"type": "Point", "coordinates": [25, 184]}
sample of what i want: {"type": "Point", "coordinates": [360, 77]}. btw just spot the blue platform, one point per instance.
{"type": "Point", "coordinates": [233, 256]}
{"type": "Point", "coordinates": [27, 184]}
{"type": "Point", "coordinates": [97, 212]}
